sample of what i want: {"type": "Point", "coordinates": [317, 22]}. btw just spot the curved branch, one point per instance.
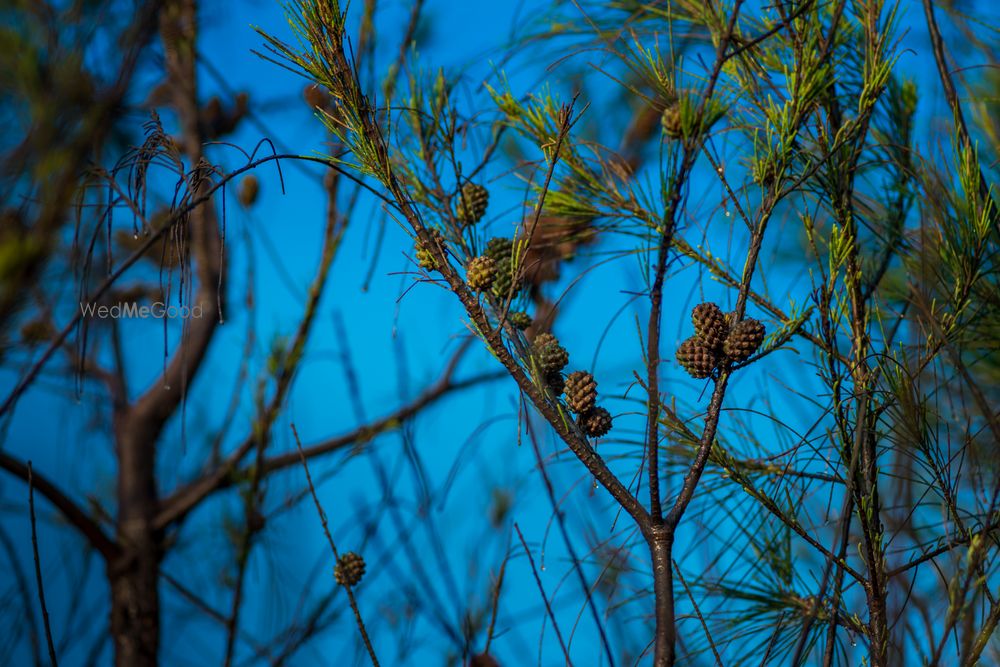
{"type": "Point", "coordinates": [89, 528]}
{"type": "Point", "coordinates": [182, 502]}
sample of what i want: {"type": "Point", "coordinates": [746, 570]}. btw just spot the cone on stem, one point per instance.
{"type": "Point", "coordinates": [743, 340]}
{"type": "Point", "coordinates": [581, 392]}
{"type": "Point", "coordinates": [710, 325]}
{"type": "Point", "coordinates": [596, 422]}
{"type": "Point", "coordinates": [480, 273]}
{"type": "Point", "coordinates": [551, 356]}
{"type": "Point", "coordinates": [349, 570]}
{"type": "Point", "coordinates": [472, 202]}
{"type": "Point", "coordinates": [697, 358]}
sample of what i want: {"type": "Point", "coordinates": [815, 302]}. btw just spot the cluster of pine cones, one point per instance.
{"type": "Point", "coordinates": [579, 386]}
{"type": "Point", "coordinates": [493, 272]}
{"type": "Point", "coordinates": [718, 340]}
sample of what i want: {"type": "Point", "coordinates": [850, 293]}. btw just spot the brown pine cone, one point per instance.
{"type": "Point", "coordinates": [550, 354]}
{"type": "Point", "coordinates": [480, 273]}
{"type": "Point", "coordinates": [595, 423]}
{"type": "Point", "coordinates": [519, 319]}
{"type": "Point", "coordinates": [248, 191]}
{"type": "Point", "coordinates": [472, 202]}
{"type": "Point", "coordinates": [744, 339]}
{"type": "Point", "coordinates": [710, 325]}
{"type": "Point", "coordinates": [349, 569]}
{"type": "Point", "coordinates": [698, 359]}
{"type": "Point", "coordinates": [581, 392]}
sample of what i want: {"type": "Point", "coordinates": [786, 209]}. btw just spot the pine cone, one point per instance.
{"type": "Point", "coordinates": [671, 121]}
{"type": "Point", "coordinates": [710, 325]}
{"type": "Point", "coordinates": [500, 249]}
{"type": "Point", "coordinates": [698, 359]}
{"type": "Point", "coordinates": [744, 339]}
{"type": "Point", "coordinates": [543, 339]}
{"type": "Point", "coordinates": [581, 392]}
{"type": "Point", "coordinates": [556, 382]}
{"type": "Point", "coordinates": [504, 283]}
{"type": "Point", "coordinates": [349, 569]}
{"type": "Point", "coordinates": [595, 423]}
{"type": "Point", "coordinates": [480, 273]}
{"type": "Point", "coordinates": [249, 189]}
{"type": "Point", "coordinates": [519, 319]}
{"type": "Point", "coordinates": [550, 354]}
{"type": "Point", "coordinates": [425, 258]}
{"type": "Point", "coordinates": [472, 203]}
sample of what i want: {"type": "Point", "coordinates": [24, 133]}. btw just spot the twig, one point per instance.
{"type": "Point", "coordinates": [951, 95]}
{"type": "Point", "coordinates": [569, 545]}
{"type": "Point", "coordinates": [541, 590]}
{"type": "Point", "coordinates": [496, 603]}
{"type": "Point", "coordinates": [697, 611]}
{"type": "Point", "coordinates": [38, 569]}
{"type": "Point", "coordinates": [333, 549]}
{"type": "Point", "coordinates": [89, 528]}
{"type": "Point", "coordinates": [182, 502]}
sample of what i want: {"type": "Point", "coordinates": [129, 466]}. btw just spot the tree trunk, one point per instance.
{"type": "Point", "coordinates": [660, 546]}
{"type": "Point", "coordinates": [134, 575]}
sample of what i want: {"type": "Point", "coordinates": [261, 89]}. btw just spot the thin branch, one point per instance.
{"type": "Point", "coordinates": [541, 591]}
{"type": "Point", "coordinates": [89, 528]}
{"type": "Point", "coordinates": [38, 569]}
{"type": "Point", "coordinates": [561, 522]}
{"type": "Point", "coordinates": [697, 611]}
{"type": "Point", "coordinates": [951, 95]}
{"type": "Point", "coordinates": [333, 549]}
{"type": "Point", "coordinates": [178, 505]}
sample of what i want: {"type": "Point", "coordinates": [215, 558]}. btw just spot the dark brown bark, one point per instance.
{"type": "Point", "coordinates": [661, 540]}
{"type": "Point", "coordinates": [134, 575]}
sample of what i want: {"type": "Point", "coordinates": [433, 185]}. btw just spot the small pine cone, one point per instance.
{"type": "Point", "coordinates": [581, 392]}
{"type": "Point", "coordinates": [249, 189]}
{"type": "Point", "coordinates": [480, 273]}
{"type": "Point", "coordinates": [425, 258]}
{"type": "Point", "coordinates": [519, 319]}
{"type": "Point", "coordinates": [671, 121]}
{"type": "Point", "coordinates": [744, 339]}
{"type": "Point", "coordinates": [595, 423]}
{"type": "Point", "coordinates": [543, 339]}
{"type": "Point", "coordinates": [349, 569]}
{"type": "Point", "coordinates": [556, 382]}
{"type": "Point", "coordinates": [698, 359]}
{"type": "Point", "coordinates": [505, 284]}
{"type": "Point", "coordinates": [551, 355]}
{"type": "Point", "coordinates": [710, 325]}
{"type": "Point", "coordinates": [500, 249]}
{"type": "Point", "coordinates": [472, 203]}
